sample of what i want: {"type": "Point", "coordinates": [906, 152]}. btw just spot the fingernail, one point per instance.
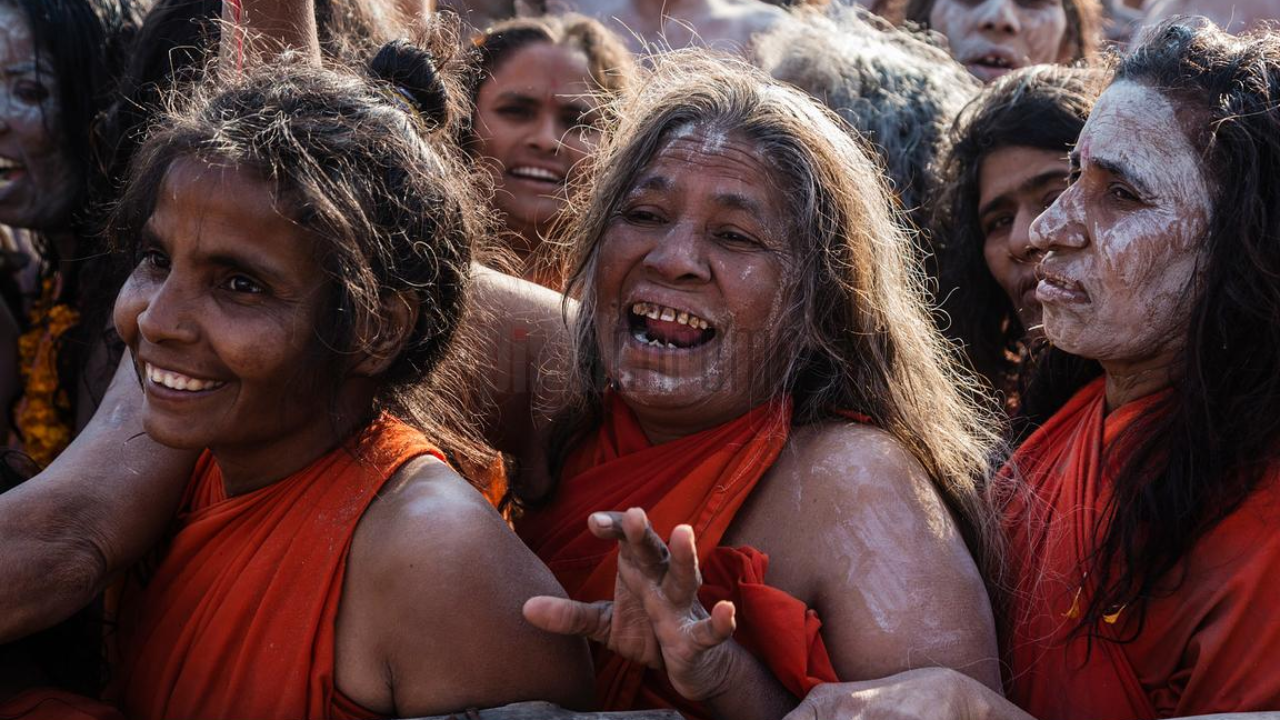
{"type": "Point", "coordinates": [602, 520]}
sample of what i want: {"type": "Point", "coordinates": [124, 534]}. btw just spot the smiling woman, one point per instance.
{"type": "Point", "coordinates": [291, 305]}
{"type": "Point", "coordinates": [535, 120]}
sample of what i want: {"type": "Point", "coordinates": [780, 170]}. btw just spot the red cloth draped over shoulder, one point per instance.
{"type": "Point", "coordinates": [237, 620]}
{"type": "Point", "coordinates": [701, 480]}
{"type": "Point", "coordinates": [1207, 645]}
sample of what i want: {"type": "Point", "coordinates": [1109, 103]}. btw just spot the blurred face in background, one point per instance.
{"type": "Point", "coordinates": [38, 176]}
{"type": "Point", "coordinates": [532, 126]}
{"type": "Point", "coordinates": [993, 37]}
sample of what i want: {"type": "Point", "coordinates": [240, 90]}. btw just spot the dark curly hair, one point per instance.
{"type": "Point", "coordinates": [1045, 108]}
{"type": "Point", "coordinates": [364, 166]}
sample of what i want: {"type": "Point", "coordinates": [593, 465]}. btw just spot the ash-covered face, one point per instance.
{"type": "Point", "coordinates": [1124, 241]}
{"type": "Point", "coordinates": [691, 282]}
{"type": "Point", "coordinates": [38, 175]}
{"type": "Point", "coordinates": [993, 37]}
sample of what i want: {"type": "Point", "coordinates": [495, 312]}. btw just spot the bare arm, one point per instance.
{"type": "Point", "coordinates": [276, 24]}
{"type": "Point", "coordinates": [430, 620]}
{"type": "Point", "coordinates": [93, 512]}
{"type": "Point", "coordinates": [853, 526]}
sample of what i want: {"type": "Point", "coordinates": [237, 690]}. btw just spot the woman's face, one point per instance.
{"type": "Point", "coordinates": [993, 37]}
{"type": "Point", "coordinates": [1123, 242]}
{"type": "Point", "coordinates": [38, 176]}
{"type": "Point", "coordinates": [221, 316]}
{"type": "Point", "coordinates": [690, 282]}
{"type": "Point", "coordinates": [1015, 185]}
{"type": "Point", "coordinates": [531, 127]}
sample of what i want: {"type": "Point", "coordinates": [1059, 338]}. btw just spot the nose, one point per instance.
{"type": "Point", "coordinates": [679, 256]}
{"type": "Point", "coordinates": [1060, 227]}
{"type": "Point", "coordinates": [545, 134]}
{"type": "Point", "coordinates": [167, 315]}
{"type": "Point", "coordinates": [1020, 247]}
{"type": "Point", "coordinates": [999, 16]}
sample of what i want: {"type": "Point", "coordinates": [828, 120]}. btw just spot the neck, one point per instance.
{"type": "Point", "coordinates": [251, 466]}
{"type": "Point", "coordinates": [663, 425]}
{"type": "Point", "coordinates": [1127, 382]}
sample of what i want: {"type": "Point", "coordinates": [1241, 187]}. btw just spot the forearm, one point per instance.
{"type": "Point", "coordinates": [93, 512]}
{"type": "Point", "coordinates": [271, 25]}
{"type": "Point", "coordinates": [750, 691]}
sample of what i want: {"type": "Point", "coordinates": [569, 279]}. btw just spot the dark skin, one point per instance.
{"type": "Point", "coordinates": [228, 292]}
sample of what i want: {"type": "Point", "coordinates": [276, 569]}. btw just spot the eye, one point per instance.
{"type": "Point", "coordinates": [642, 216]}
{"type": "Point", "coordinates": [515, 112]}
{"type": "Point", "coordinates": [996, 223]}
{"type": "Point", "coordinates": [1122, 193]}
{"type": "Point", "coordinates": [30, 92]}
{"type": "Point", "coordinates": [740, 240]}
{"type": "Point", "coordinates": [153, 259]}
{"type": "Point", "coordinates": [243, 284]}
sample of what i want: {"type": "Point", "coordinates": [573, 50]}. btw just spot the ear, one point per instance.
{"type": "Point", "coordinates": [383, 342]}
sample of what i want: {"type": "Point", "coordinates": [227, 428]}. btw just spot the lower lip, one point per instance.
{"type": "Point", "coordinates": [987, 73]}
{"type": "Point", "coordinates": [1050, 293]}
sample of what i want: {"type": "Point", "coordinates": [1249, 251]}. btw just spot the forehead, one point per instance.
{"type": "Point", "coordinates": [207, 200]}
{"type": "Point", "coordinates": [541, 69]}
{"type": "Point", "coordinates": [16, 43]}
{"type": "Point", "coordinates": [698, 155]}
{"type": "Point", "coordinates": [1137, 125]}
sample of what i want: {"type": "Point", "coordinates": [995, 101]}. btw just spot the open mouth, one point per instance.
{"type": "Point", "coordinates": [9, 169]}
{"type": "Point", "coordinates": [994, 62]}
{"type": "Point", "coordinates": [666, 327]}
{"type": "Point", "coordinates": [177, 381]}
{"type": "Point", "coordinates": [536, 174]}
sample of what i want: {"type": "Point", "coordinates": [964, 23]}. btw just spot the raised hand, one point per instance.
{"type": "Point", "coordinates": [655, 617]}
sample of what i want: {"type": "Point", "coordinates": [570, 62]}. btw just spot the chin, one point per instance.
{"type": "Point", "coordinates": [172, 434]}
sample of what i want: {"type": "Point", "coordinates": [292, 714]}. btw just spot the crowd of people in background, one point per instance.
{"type": "Point", "coordinates": [794, 361]}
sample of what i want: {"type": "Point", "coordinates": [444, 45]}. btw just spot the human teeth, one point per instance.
{"type": "Point", "coordinates": [178, 381]}
{"type": "Point", "coordinates": [537, 173]}
{"type": "Point", "coordinates": [7, 164]}
{"type": "Point", "coordinates": [667, 314]}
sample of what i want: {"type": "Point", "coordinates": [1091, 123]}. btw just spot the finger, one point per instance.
{"type": "Point", "coordinates": [569, 617]}
{"type": "Point", "coordinates": [716, 629]}
{"type": "Point", "coordinates": [642, 547]}
{"type": "Point", "coordinates": [606, 525]}
{"type": "Point", "coordinates": [683, 579]}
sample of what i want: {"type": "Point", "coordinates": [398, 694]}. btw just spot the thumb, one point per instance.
{"type": "Point", "coordinates": [569, 617]}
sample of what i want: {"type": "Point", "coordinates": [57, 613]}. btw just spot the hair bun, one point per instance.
{"type": "Point", "coordinates": [413, 73]}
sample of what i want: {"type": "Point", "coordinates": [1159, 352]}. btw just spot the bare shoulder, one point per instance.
{"type": "Point", "coordinates": [854, 526]}
{"type": "Point", "coordinates": [431, 618]}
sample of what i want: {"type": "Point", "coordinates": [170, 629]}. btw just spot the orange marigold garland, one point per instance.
{"type": "Point", "coordinates": [44, 402]}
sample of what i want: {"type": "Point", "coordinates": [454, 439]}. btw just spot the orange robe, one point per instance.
{"type": "Point", "coordinates": [1211, 646]}
{"type": "Point", "coordinates": [238, 619]}
{"type": "Point", "coordinates": [701, 480]}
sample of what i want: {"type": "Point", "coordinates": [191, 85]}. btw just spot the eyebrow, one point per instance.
{"type": "Point", "coordinates": [733, 201]}
{"type": "Point", "coordinates": [1031, 183]}
{"type": "Point", "coordinates": [1116, 168]}
{"type": "Point", "coordinates": [230, 261]}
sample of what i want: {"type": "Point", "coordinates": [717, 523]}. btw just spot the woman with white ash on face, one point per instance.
{"type": "Point", "coordinates": [58, 66]}
{"type": "Point", "coordinates": [1144, 557]}
{"type": "Point", "coordinates": [536, 119]}
{"type": "Point", "coordinates": [992, 37]}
